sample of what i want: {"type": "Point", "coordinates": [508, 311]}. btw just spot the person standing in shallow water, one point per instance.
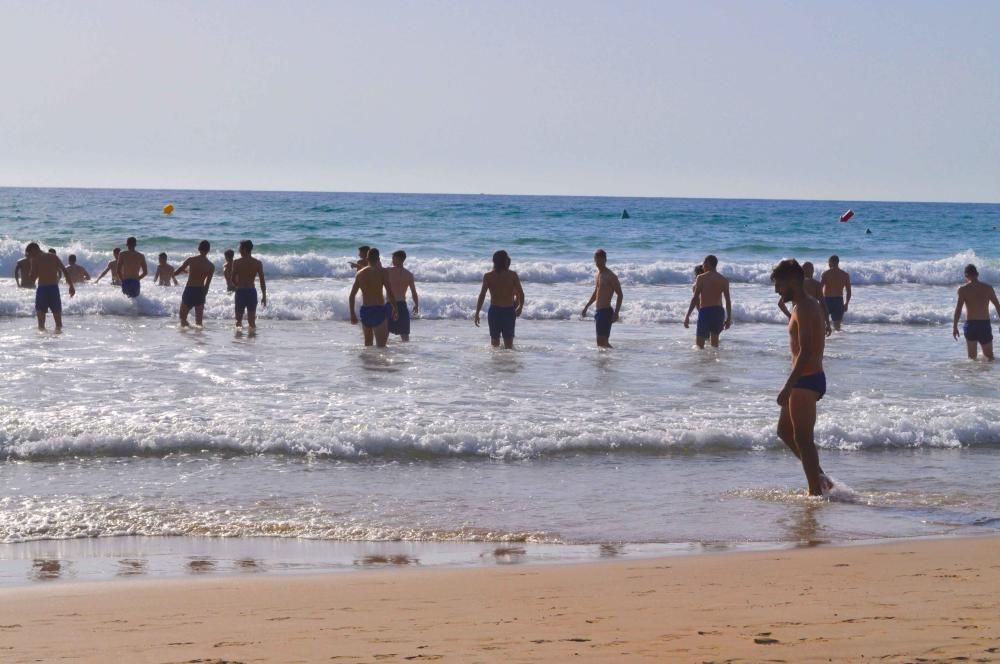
{"type": "Point", "coordinates": [506, 300]}
{"type": "Point", "coordinates": [131, 269]}
{"type": "Point", "coordinates": [401, 280]}
{"type": "Point", "coordinates": [46, 269]}
{"type": "Point", "coordinates": [112, 268]}
{"type": "Point", "coordinates": [199, 270]}
{"type": "Point", "coordinates": [806, 384]}
{"type": "Point", "coordinates": [835, 283]}
{"type": "Point", "coordinates": [247, 269]}
{"type": "Point", "coordinates": [710, 288]}
{"type": "Point", "coordinates": [976, 297]}
{"type": "Point", "coordinates": [371, 280]}
{"type": "Point", "coordinates": [813, 288]}
{"type": "Point", "coordinates": [606, 284]}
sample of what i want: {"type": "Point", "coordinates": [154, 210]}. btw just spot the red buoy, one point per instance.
{"type": "Point", "coordinates": [847, 215]}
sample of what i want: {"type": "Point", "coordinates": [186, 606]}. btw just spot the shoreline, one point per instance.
{"type": "Point", "coordinates": [932, 598]}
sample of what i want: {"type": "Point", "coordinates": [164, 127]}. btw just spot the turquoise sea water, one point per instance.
{"type": "Point", "coordinates": [124, 436]}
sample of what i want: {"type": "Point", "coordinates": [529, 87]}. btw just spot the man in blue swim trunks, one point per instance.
{"type": "Point", "coordinates": [836, 283]}
{"type": "Point", "coordinates": [199, 270]}
{"type": "Point", "coordinates": [46, 269]}
{"type": "Point", "coordinates": [372, 280]}
{"type": "Point", "coordinates": [806, 384]}
{"type": "Point", "coordinates": [131, 268]}
{"type": "Point", "coordinates": [401, 280]}
{"type": "Point", "coordinates": [976, 297]}
{"type": "Point", "coordinates": [506, 300]}
{"type": "Point", "coordinates": [246, 270]}
{"type": "Point", "coordinates": [606, 284]}
{"type": "Point", "coordinates": [710, 288]}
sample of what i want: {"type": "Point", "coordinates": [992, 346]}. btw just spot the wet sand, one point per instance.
{"type": "Point", "coordinates": [926, 600]}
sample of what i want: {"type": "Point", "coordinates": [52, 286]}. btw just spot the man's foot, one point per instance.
{"type": "Point", "coordinates": [825, 483]}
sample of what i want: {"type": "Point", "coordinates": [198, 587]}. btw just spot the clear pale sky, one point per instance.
{"type": "Point", "coordinates": [890, 100]}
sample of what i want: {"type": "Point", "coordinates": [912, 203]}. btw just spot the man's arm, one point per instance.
{"type": "Point", "coordinates": [263, 286]}
{"type": "Point", "coordinates": [350, 301]}
{"type": "Point", "coordinates": [694, 300]}
{"type": "Point", "coordinates": [784, 309]}
{"type": "Point", "coordinates": [593, 297]}
{"type": "Point", "coordinates": [479, 303]}
{"type": "Point", "coordinates": [143, 270]}
{"type": "Point", "coordinates": [996, 304]}
{"type": "Point", "coordinates": [17, 274]}
{"type": "Point", "coordinates": [826, 315]}
{"type": "Point", "coordinates": [729, 306]}
{"type": "Point", "coordinates": [69, 279]}
{"type": "Point", "coordinates": [211, 273]}
{"type": "Point", "coordinates": [416, 298]}
{"type": "Point", "coordinates": [389, 294]}
{"type": "Point", "coordinates": [958, 314]}
{"type": "Point", "coordinates": [847, 286]}
{"type": "Point", "coordinates": [619, 296]}
{"type": "Point", "coordinates": [520, 295]}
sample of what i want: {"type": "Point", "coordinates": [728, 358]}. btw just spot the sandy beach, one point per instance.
{"type": "Point", "coordinates": [927, 600]}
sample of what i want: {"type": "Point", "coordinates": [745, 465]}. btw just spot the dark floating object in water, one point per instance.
{"type": "Point", "coordinates": [868, 231]}
{"type": "Point", "coordinates": [847, 215]}
{"type": "Point", "coordinates": [625, 214]}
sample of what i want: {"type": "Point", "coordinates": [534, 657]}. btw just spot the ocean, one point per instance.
{"type": "Point", "coordinates": [130, 447]}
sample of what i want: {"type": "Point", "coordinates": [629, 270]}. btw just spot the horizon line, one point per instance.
{"type": "Point", "coordinates": [507, 195]}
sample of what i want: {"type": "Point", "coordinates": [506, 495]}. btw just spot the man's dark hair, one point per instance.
{"type": "Point", "coordinates": [51, 250]}
{"type": "Point", "coordinates": [601, 252]}
{"type": "Point", "coordinates": [834, 260]}
{"type": "Point", "coordinates": [699, 269]}
{"type": "Point", "coordinates": [246, 245]}
{"type": "Point", "coordinates": [971, 270]}
{"type": "Point", "coordinates": [204, 246]}
{"type": "Point", "coordinates": [72, 258]}
{"type": "Point", "coordinates": [501, 260]}
{"type": "Point", "coordinates": [116, 251]}
{"type": "Point", "coordinates": [33, 246]}
{"type": "Point", "coordinates": [400, 254]}
{"type": "Point", "coordinates": [163, 255]}
{"type": "Point", "coordinates": [711, 261]}
{"type": "Point", "coordinates": [788, 269]}
{"type": "Point", "coordinates": [373, 255]}
{"type": "Point", "coordinates": [229, 253]}
{"type": "Point", "coordinates": [130, 242]}
{"type": "Point", "coordinates": [363, 250]}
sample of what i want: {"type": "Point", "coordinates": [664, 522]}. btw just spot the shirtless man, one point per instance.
{"type": "Point", "coordinates": [362, 261]}
{"type": "Point", "coordinates": [112, 268]}
{"type": "Point", "coordinates": [835, 281]}
{"type": "Point", "coordinates": [227, 270]}
{"type": "Point", "coordinates": [806, 384]}
{"type": "Point", "coordinates": [22, 273]}
{"type": "Point", "coordinates": [77, 272]}
{"type": "Point", "coordinates": [246, 269]}
{"type": "Point", "coordinates": [814, 289]}
{"type": "Point", "coordinates": [606, 284]}
{"type": "Point", "coordinates": [976, 296]}
{"type": "Point", "coordinates": [401, 279]}
{"type": "Point", "coordinates": [506, 300]}
{"type": "Point", "coordinates": [710, 288]}
{"type": "Point", "coordinates": [131, 269]}
{"type": "Point", "coordinates": [164, 272]}
{"type": "Point", "coordinates": [46, 269]}
{"type": "Point", "coordinates": [199, 270]}
{"type": "Point", "coordinates": [371, 280]}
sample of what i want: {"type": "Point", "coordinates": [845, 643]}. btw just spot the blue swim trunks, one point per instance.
{"type": "Point", "coordinates": [815, 382]}
{"type": "Point", "coordinates": [975, 330]}
{"type": "Point", "coordinates": [711, 320]}
{"type": "Point", "coordinates": [501, 320]}
{"type": "Point", "coordinates": [603, 318]}
{"type": "Point", "coordinates": [835, 305]}
{"type": "Point", "coordinates": [401, 325]}
{"type": "Point", "coordinates": [131, 287]}
{"type": "Point", "coordinates": [245, 300]}
{"type": "Point", "coordinates": [194, 296]}
{"type": "Point", "coordinates": [373, 315]}
{"type": "Point", "coordinates": [47, 299]}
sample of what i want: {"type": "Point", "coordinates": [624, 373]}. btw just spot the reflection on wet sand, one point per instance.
{"type": "Point", "coordinates": [48, 569]}
{"type": "Point", "coordinates": [398, 559]}
{"type": "Point", "coordinates": [249, 565]}
{"type": "Point", "coordinates": [611, 550]}
{"type": "Point", "coordinates": [201, 565]}
{"type": "Point", "coordinates": [376, 359]}
{"type": "Point", "coordinates": [131, 567]}
{"type": "Point", "coordinates": [804, 527]}
{"type": "Point", "coordinates": [508, 555]}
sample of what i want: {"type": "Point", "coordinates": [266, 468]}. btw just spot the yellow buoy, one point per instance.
{"type": "Point", "coordinates": [168, 208]}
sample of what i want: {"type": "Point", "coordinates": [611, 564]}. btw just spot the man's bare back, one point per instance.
{"type": "Point", "coordinates": [607, 285]}
{"type": "Point", "coordinates": [399, 281]}
{"type": "Point", "coordinates": [710, 287]}
{"type": "Point", "coordinates": [199, 270]}
{"type": "Point", "coordinates": [834, 282]}
{"type": "Point", "coordinates": [47, 269]}
{"type": "Point", "coordinates": [502, 286]}
{"type": "Point", "coordinates": [372, 281]}
{"type": "Point", "coordinates": [245, 270]}
{"type": "Point", "coordinates": [131, 265]}
{"type": "Point", "coordinates": [977, 297]}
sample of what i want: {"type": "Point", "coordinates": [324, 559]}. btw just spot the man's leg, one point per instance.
{"type": "Point", "coordinates": [57, 319]}
{"type": "Point", "coordinates": [700, 341]}
{"type": "Point", "coordinates": [495, 342]}
{"type": "Point", "coordinates": [252, 317]}
{"type": "Point", "coordinates": [715, 340]}
{"type": "Point", "coordinates": [41, 318]}
{"type": "Point", "coordinates": [785, 431]}
{"type": "Point", "coordinates": [972, 347]}
{"type": "Point", "coordinates": [602, 342]}
{"type": "Point", "coordinates": [508, 342]}
{"type": "Point", "coordinates": [199, 314]}
{"type": "Point", "coordinates": [239, 316]}
{"type": "Point", "coordinates": [802, 411]}
{"type": "Point", "coordinates": [382, 334]}
{"type": "Point", "coordinates": [368, 334]}
{"type": "Point", "coordinates": [184, 314]}
{"type": "Point", "coordinates": [988, 350]}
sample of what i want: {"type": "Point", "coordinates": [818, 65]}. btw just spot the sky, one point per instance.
{"type": "Point", "coordinates": [888, 100]}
